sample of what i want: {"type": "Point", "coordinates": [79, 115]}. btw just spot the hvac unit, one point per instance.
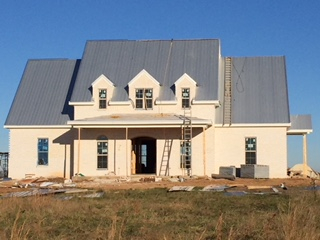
{"type": "Point", "coordinates": [254, 171]}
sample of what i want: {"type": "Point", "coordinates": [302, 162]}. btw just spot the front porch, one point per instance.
{"type": "Point", "coordinates": [137, 145]}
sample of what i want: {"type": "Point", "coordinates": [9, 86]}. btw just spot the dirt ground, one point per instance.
{"type": "Point", "coordinates": [199, 182]}
{"type": "Point", "coordinates": [149, 182]}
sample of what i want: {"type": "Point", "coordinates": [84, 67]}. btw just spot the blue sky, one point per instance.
{"type": "Point", "coordinates": [59, 29]}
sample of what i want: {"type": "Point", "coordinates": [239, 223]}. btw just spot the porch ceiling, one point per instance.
{"type": "Point", "coordinates": [138, 121]}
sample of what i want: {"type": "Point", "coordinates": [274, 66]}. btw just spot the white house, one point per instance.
{"type": "Point", "coordinates": [173, 107]}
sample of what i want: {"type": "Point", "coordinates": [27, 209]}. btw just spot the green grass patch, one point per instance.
{"type": "Point", "coordinates": [158, 214]}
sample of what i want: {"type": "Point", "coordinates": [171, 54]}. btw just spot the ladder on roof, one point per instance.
{"type": "Point", "coordinates": [227, 103]}
{"type": "Point", "coordinates": [186, 143]}
{"type": "Point", "coordinates": [164, 167]}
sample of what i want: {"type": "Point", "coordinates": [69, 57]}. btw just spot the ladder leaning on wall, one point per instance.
{"type": "Point", "coordinates": [186, 143]}
{"type": "Point", "coordinates": [164, 166]}
{"type": "Point", "coordinates": [227, 102]}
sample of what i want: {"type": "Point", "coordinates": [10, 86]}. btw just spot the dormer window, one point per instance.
{"type": "Point", "coordinates": [102, 98]}
{"type": "Point", "coordinates": [144, 98]}
{"type": "Point", "coordinates": [185, 97]}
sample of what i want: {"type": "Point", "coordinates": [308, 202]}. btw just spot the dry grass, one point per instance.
{"type": "Point", "coordinates": [157, 214]}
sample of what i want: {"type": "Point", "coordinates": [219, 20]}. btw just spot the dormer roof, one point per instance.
{"type": "Point", "coordinates": [165, 60]}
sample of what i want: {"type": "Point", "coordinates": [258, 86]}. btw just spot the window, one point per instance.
{"type": "Point", "coordinates": [185, 160]}
{"type": "Point", "coordinates": [102, 98]}
{"type": "Point", "coordinates": [102, 152]}
{"type": "Point", "coordinates": [185, 97]}
{"type": "Point", "coordinates": [251, 150]}
{"type": "Point", "coordinates": [43, 150]}
{"type": "Point", "coordinates": [144, 98]}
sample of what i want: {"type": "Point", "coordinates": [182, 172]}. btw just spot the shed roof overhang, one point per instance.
{"type": "Point", "coordinates": [138, 121]}
{"type": "Point", "coordinates": [300, 125]}
{"type": "Point", "coordinates": [299, 131]}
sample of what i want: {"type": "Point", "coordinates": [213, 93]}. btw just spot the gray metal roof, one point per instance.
{"type": "Point", "coordinates": [165, 60]}
{"type": "Point", "coordinates": [300, 124]}
{"type": "Point", "coordinates": [43, 94]}
{"type": "Point", "coordinates": [259, 90]}
{"type": "Point", "coordinates": [259, 84]}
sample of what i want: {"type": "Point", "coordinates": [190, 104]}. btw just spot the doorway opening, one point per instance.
{"type": "Point", "coordinates": [144, 155]}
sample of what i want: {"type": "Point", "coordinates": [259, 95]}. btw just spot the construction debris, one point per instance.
{"type": "Point", "coordinates": [35, 192]}
{"type": "Point", "coordinates": [216, 188]}
{"type": "Point", "coordinates": [223, 176]}
{"type": "Point", "coordinates": [242, 190]}
{"type": "Point", "coordinates": [297, 171]}
{"type": "Point", "coordinates": [93, 195]}
{"type": "Point", "coordinates": [181, 189]}
{"type": "Point", "coordinates": [258, 187]}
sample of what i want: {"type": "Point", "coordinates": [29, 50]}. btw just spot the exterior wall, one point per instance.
{"type": "Point", "coordinates": [82, 112]}
{"type": "Point", "coordinates": [271, 148]}
{"type": "Point", "coordinates": [24, 152]}
{"type": "Point", "coordinates": [119, 151]}
{"type": "Point", "coordinates": [143, 80]}
{"type": "Point", "coordinates": [211, 148]}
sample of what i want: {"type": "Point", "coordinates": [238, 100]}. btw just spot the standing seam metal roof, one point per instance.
{"type": "Point", "coordinates": [259, 84]}
{"type": "Point", "coordinates": [43, 94]}
{"type": "Point", "coordinates": [259, 90]}
{"type": "Point", "coordinates": [301, 122]}
{"type": "Point", "coordinates": [165, 60]}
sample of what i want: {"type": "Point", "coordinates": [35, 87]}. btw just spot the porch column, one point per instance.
{"type": "Point", "coordinates": [305, 155]}
{"type": "Point", "coordinates": [79, 145]}
{"type": "Point", "coordinates": [126, 151]}
{"type": "Point", "coordinates": [204, 152]}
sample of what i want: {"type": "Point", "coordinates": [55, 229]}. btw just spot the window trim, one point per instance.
{"type": "Point", "coordinates": [100, 140]}
{"type": "Point", "coordinates": [251, 160]}
{"type": "Point", "coordinates": [102, 99]}
{"type": "Point", "coordinates": [145, 100]}
{"type": "Point", "coordinates": [40, 161]}
{"type": "Point", "coordinates": [185, 99]}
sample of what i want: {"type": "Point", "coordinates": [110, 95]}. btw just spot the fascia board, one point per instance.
{"type": "Point", "coordinates": [140, 124]}
{"type": "Point", "coordinates": [299, 131]}
{"type": "Point", "coordinates": [36, 126]}
{"type": "Point", "coordinates": [141, 73]}
{"type": "Point", "coordinates": [255, 125]}
{"type": "Point", "coordinates": [103, 78]}
{"type": "Point", "coordinates": [205, 102]}
{"type": "Point", "coordinates": [185, 76]}
{"type": "Point", "coordinates": [81, 103]}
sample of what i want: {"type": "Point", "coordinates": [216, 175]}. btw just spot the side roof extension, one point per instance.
{"type": "Point", "coordinates": [43, 94]}
{"type": "Point", "coordinates": [259, 90]}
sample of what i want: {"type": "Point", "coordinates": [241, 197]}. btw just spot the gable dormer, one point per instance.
{"type": "Point", "coordinates": [143, 90]}
{"type": "Point", "coordinates": [102, 91]}
{"type": "Point", "coordinates": [185, 90]}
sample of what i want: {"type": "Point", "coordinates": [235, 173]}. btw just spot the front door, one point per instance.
{"type": "Point", "coordinates": [145, 155]}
